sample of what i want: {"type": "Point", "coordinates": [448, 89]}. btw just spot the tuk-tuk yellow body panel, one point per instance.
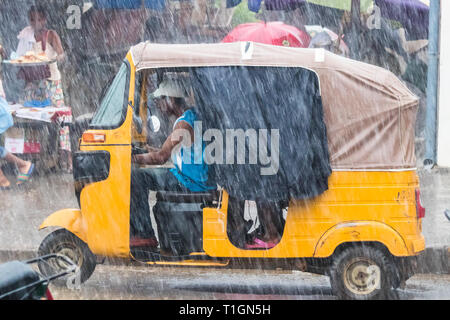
{"type": "Point", "coordinates": [358, 207]}
{"type": "Point", "coordinates": [106, 204]}
{"type": "Point", "coordinates": [357, 231]}
{"type": "Point", "coordinates": [70, 219]}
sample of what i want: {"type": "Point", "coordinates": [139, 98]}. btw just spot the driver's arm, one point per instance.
{"type": "Point", "coordinates": [161, 156]}
{"type": "Point", "coordinates": [151, 149]}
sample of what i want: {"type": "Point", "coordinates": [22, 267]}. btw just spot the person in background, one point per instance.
{"type": "Point", "coordinates": [378, 46]}
{"type": "Point", "coordinates": [25, 167]}
{"type": "Point", "coordinates": [38, 38]}
{"type": "Point", "coordinates": [181, 28]}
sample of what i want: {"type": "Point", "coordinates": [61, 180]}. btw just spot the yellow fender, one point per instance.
{"type": "Point", "coordinates": [70, 219]}
{"type": "Point", "coordinates": [360, 231]}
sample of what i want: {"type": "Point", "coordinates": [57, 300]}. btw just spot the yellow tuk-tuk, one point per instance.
{"type": "Point", "coordinates": [365, 231]}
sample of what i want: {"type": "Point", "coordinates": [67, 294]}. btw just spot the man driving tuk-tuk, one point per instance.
{"type": "Point", "coordinates": [187, 176]}
{"type": "Point", "coordinates": [335, 147]}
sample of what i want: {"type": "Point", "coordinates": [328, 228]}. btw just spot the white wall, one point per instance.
{"type": "Point", "coordinates": [443, 138]}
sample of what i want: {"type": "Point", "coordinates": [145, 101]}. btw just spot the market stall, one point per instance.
{"type": "Point", "coordinates": [36, 134]}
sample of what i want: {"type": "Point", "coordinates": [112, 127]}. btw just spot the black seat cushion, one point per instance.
{"type": "Point", "coordinates": [15, 275]}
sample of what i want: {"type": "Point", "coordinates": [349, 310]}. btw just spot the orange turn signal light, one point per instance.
{"type": "Point", "coordinates": [94, 137]}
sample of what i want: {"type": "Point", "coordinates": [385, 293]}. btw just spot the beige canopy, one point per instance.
{"type": "Point", "coordinates": [369, 113]}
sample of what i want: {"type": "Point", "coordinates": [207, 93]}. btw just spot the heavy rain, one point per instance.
{"type": "Point", "coordinates": [224, 150]}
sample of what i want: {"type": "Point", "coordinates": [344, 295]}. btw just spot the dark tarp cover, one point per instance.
{"type": "Point", "coordinates": [271, 98]}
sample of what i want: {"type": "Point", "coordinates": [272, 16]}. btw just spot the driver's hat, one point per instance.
{"type": "Point", "coordinates": [171, 88]}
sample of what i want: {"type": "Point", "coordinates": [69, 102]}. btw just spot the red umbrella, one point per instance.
{"type": "Point", "coordinates": [276, 33]}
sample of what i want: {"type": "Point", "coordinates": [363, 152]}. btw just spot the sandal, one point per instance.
{"type": "Point", "coordinates": [259, 244]}
{"type": "Point", "coordinates": [23, 178]}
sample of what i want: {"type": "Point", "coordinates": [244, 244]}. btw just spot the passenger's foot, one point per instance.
{"type": "Point", "coordinates": [4, 183]}
{"type": "Point", "coordinates": [260, 244]}
{"type": "Point", "coordinates": [25, 173]}
{"type": "Point", "coordinates": [143, 242]}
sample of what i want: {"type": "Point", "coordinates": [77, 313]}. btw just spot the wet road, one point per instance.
{"type": "Point", "coordinates": [163, 283]}
{"type": "Point", "coordinates": [22, 211]}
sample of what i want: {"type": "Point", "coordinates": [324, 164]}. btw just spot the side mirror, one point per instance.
{"type": "Point", "coordinates": [155, 123]}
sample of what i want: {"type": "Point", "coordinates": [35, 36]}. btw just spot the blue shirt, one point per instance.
{"type": "Point", "coordinates": [6, 120]}
{"type": "Point", "coordinates": [190, 168]}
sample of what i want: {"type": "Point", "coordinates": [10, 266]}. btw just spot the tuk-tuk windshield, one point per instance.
{"type": "Point", "coordinates": [110, 112]}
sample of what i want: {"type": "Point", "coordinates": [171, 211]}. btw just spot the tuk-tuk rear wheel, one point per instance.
{"type": "Point", "coordinates": [362, 273]}
{"type": "Point", "coordinates": [66, 243]}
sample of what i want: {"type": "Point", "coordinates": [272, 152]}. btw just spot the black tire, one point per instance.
{"type": "Point", "coordinates": [362, 273]}
{"type": "Point", "coordinates": [66, 243]}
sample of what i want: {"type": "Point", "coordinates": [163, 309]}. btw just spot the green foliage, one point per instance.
{"type": "Point", "coordinates": [243, 15]}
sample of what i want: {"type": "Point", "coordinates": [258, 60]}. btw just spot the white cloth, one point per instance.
{"type": "Point", "coordinates": [26, 41]}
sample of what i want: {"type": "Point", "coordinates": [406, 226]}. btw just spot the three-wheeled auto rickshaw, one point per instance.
{"type": "Point", "coordinates": [364, 231]}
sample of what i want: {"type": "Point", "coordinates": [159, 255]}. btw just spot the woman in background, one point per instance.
{"type": "Point", "coordinates": [39, 39]}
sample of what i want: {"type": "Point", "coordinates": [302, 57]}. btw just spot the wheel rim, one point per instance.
{"type": "Point", "coordinates": [362, 276]}
{"type": "Point", "coordinates": [71, 251]}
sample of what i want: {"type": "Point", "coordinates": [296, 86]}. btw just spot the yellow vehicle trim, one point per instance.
{"type": "Point", "coordinates": [359, 206]}
{"type": "Point", "coordinates": [360, 231]}
{"type": "Point", "coordinates": [106, 204]}
{"type": "Point", "coordinates": [419, 245]}
{"type": "Point", "coordinates": [192, 263]}
{"type": "Point", "coordinates": [70, 219]}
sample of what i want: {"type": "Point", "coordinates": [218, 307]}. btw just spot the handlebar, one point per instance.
{"type": "Point", "coordinates": [71, 266]}
{"type": "Point", "coordinates": [138, 150]}
{"type": "Point", "coordinates": [26, 280]}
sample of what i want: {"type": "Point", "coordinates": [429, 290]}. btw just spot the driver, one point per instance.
{"type": "Point", "coordinates": [187, 176]}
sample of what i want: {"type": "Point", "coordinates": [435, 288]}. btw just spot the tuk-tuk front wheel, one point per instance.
{"type": "Point", "coordinates": [66, 243]}
{"type": "Point", "coordinates": [361, 273]}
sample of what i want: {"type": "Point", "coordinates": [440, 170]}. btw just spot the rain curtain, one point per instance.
{"type": "Point", "coordinates": [281, 110]}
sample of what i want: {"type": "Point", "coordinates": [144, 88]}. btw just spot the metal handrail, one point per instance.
{"type": "Point", "coordinates": [72, 268]}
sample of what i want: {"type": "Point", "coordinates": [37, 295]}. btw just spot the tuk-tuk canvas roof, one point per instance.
{"type": "Point", "coordinates": [369, 113]}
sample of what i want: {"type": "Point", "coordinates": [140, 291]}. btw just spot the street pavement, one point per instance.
{"type": "Point", "coordinates": [23, 210]}
{"type": "Point", "coordinates": [124, 282]}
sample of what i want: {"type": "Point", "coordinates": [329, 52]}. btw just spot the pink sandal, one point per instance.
{"type": "Point", "coordinates": [259, 244]}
